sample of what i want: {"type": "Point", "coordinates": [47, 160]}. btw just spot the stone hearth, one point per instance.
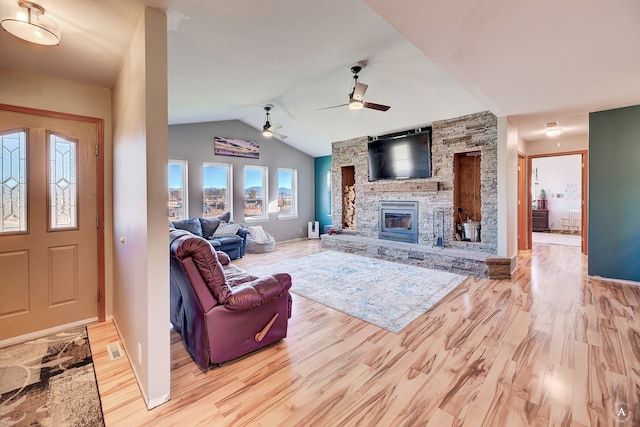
{"type": "Point", "coordinates": [454, 260]}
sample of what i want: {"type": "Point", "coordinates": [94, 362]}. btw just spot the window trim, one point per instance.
{"type": "Point", "coordinates": [229, 168]}
{"type": "Point", "coordinates": [294, 193]}
{"type": "Point", "coordinates": [265, 192]}
{"type": "Point", "coordinates": [185, 187]}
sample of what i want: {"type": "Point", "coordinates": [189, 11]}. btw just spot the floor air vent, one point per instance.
{"type": "Point", "coordinates": [114, 350]}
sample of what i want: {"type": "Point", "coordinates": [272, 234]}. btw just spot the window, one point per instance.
{"type": "Point", "coordinates": [63, 188]}
{"type": "Point", "coordinates": [13, 182]}
{"type": "Point", "coordinates": [177, 189]}
{"type": "Point", "coordinates": [287, 193]}
{"type": "Point", "coordinates": [255, 192]}
{"type": "Point", "coordinates": [216, 189]}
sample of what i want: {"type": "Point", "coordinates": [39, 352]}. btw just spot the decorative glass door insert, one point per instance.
{"type": "Point", "coordinates": [13, 182]}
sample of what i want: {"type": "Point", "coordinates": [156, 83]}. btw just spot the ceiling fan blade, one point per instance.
{"type": "Point", "coordinates": [275, 127]}
{"type": "Point", "coordinates": [334, 106]}
{"type": "Point", "coordinates": [358, 91]}
{"type": "Point", "coordinates": [374, 106]}
{"type": "Point", "coordinates": [279, 135]}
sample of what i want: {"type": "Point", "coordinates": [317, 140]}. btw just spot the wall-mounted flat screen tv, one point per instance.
{"type": "Point", "coordinates": [400, 156]}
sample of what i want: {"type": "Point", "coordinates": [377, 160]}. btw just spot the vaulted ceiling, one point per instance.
{"type": "Point", "coordinates": [429, 60]}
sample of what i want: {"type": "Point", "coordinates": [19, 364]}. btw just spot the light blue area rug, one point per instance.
{"type": "Point", "coordinates": [387, 294]}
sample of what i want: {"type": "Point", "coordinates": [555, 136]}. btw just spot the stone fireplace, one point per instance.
{"type": "Point", "coordinates": [398, 221]}
{"type": "Point", "coordinates": [452, 139]}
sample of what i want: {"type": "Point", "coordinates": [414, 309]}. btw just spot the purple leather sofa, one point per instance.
{"type": "Point", "coordinates": [223, 312]}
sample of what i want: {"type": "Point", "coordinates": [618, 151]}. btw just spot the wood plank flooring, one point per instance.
{"type": "Point", "coordinates": [550, 347]}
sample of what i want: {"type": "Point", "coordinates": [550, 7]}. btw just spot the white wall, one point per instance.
{"type": "Point", "coordinates": [141, 256]}
{"type": "Point", "coordinates": [561, 178]}
{"type": "Point", "coordinates": [507, 190]}
{"type": "Point", "coordinates": [561, 144]}
{"type": "Point", "coordinates": [46, 93]}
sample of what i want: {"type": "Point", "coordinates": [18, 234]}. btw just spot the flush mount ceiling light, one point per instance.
{"type": "Point", "coordinates": [553, 130]}
{"type": "Point", "coordinates": [28, 23]}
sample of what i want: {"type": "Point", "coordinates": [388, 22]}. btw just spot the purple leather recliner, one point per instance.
{"type": "Point", "coordinates": [223, 312]}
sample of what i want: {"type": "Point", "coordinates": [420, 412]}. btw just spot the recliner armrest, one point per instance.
{"type": "Point", "coordinates": [257, 292]}
{"type": "Point", "coordinates": [243, 232]}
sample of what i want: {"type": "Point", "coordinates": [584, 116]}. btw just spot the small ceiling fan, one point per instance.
{"type": "Point", "coordinates": [356, 97]}
{"type": "Point", "coordinates": [269, 130]}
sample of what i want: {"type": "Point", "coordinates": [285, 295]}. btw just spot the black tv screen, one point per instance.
{"type": "Point", "coordinates": [400, 156]}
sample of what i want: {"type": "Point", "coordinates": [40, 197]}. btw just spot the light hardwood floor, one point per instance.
{"type": "Point", "coordinates": [548, 347]}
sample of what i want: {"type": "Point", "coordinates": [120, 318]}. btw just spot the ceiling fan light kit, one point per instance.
{"type": "Point", "coordinates": [356, 96]}
{"type": "Point", "coordinates": [268, 129]}
{"type": "Point", "coordinates": [27, 22]}
{"type": "Point", "coordinates": [356, 105]}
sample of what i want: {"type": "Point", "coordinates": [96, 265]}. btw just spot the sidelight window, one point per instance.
{"type": "Point", "coordinates": [13, 182]}
{"type": "Point", "coordinates": [63, 188]}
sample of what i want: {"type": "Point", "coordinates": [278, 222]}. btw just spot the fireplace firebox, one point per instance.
{"type": "Point", "coordinates": [398, 221]}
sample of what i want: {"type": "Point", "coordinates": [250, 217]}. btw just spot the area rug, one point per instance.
{"type": "Point", "coordinates": [387, 294]}
{"type": "Point", "coordinates": [50, 381]}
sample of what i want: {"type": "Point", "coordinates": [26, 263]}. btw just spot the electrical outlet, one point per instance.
{"type": "Point", "coordinates": [139, 354]}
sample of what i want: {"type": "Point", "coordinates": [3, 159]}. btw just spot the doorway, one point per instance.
{"type": "Point", "coordinates": [51, 232]}
{"type": "Point", "coordinates": [557, 196]}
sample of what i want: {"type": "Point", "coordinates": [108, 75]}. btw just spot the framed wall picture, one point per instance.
{"type": "Point", "coordinates": [236, 147]}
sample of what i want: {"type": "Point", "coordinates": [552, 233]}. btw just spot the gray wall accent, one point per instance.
{"type": "Point", "coordinates": [614, 193]}
{"type": "Point", "coordinates": [194, 143]}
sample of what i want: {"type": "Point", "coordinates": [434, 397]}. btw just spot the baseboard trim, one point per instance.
{"type": "Point", "coordinates": [45, 332]}
{"type": "Point", "coordinates": [616, 281]}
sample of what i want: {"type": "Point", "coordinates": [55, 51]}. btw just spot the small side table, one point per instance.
{"type": "Point", "coordinates": [540, 220]}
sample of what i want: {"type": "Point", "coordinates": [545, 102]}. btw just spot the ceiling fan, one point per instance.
{"type": "Point", "coordinates": [356, 97]}
{"type": "Point", "coordinates": [269, 130]}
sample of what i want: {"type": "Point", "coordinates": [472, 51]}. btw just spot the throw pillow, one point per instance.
{"type": "Point", "coordinates": [191, 225]}
{"type": "Point", "coordinates": [209, 226]}
{"type": "Point", "coordinates": [226, 217]}
{"type": "Point", "coordinates": [258, 234]}
{"type": "Point", "coordinates": [225, 230]}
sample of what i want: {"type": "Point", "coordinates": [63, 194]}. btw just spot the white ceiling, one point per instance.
{"type": "Point", "coordinates": [533, 61]}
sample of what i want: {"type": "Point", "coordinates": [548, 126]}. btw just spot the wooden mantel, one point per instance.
{"type": "Point", "coordinates": [399, 186]}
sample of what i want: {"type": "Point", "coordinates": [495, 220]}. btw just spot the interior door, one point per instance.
{"type": "Point", "coordinates": [48, 223]}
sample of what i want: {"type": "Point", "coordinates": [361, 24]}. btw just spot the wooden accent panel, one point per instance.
{"type": "Point", "coordinates": [467, 188]}
{"type": "Point", "coordinates": [63, 274]}
{"type": "Point", "coordinates": [14, 285]}
{"type": "Point", "coordinates": [400, 186]}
